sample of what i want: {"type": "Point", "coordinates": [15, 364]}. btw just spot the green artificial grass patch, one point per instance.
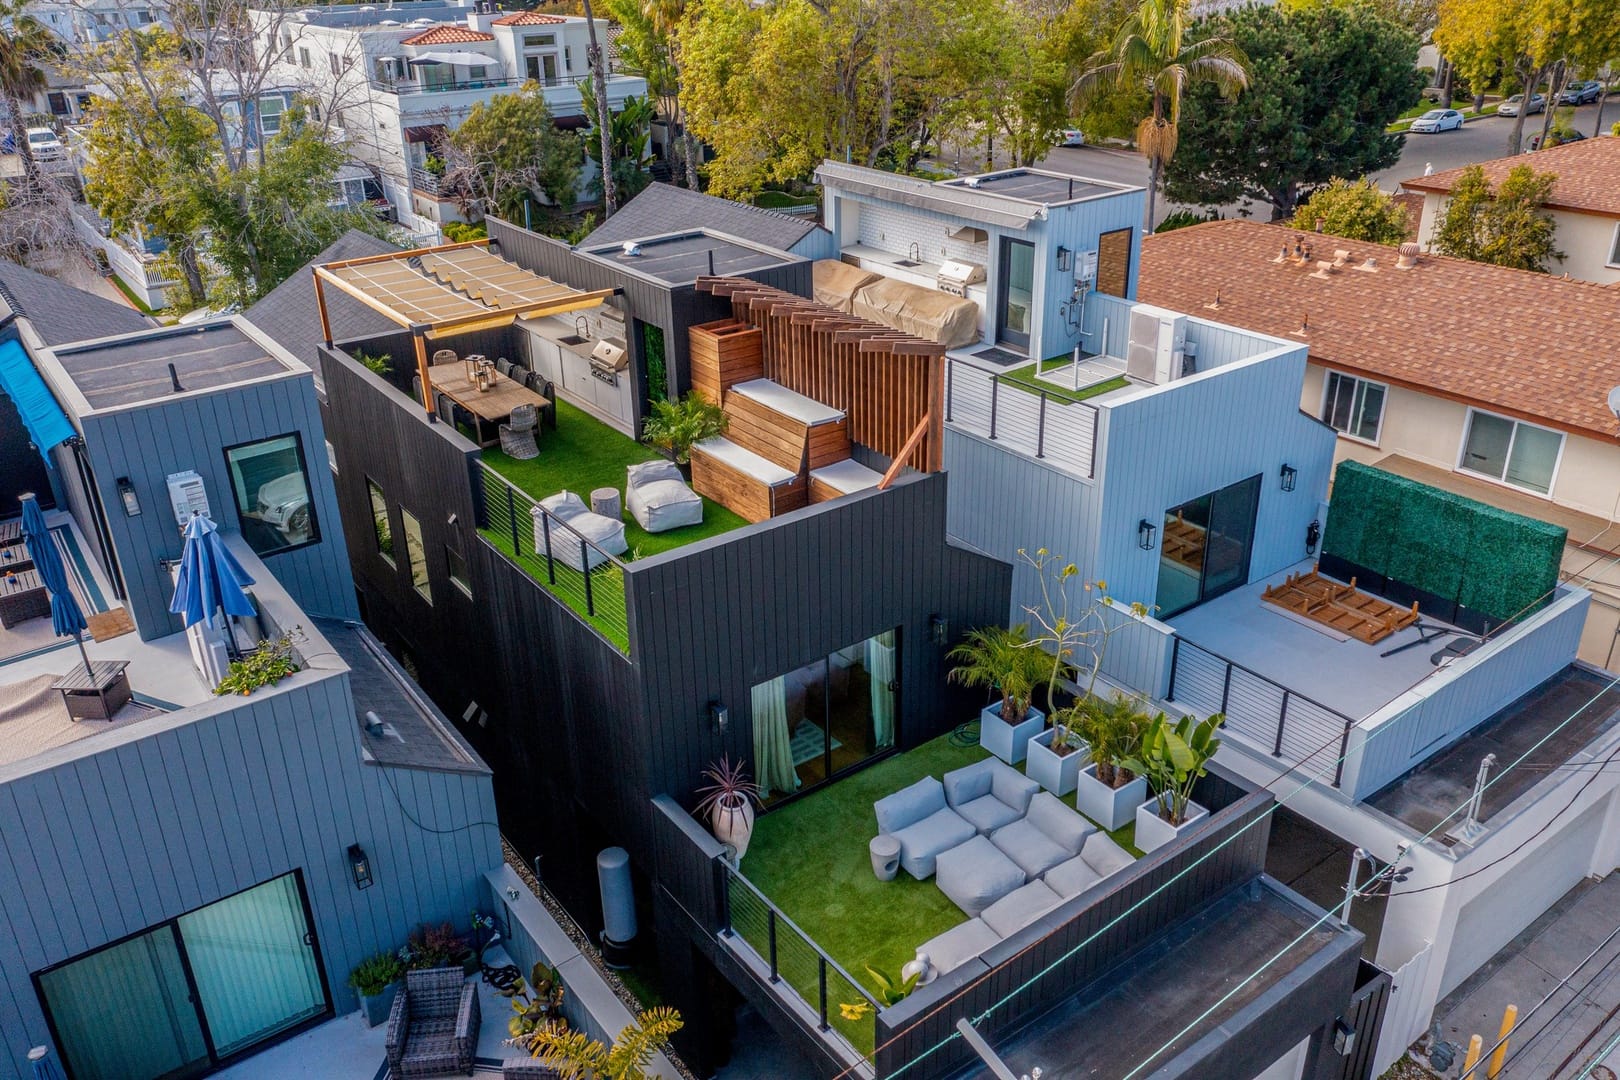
{"type": "Point", "coordinates": [1024, 379]}
{"type": "Point", "coordinates": [584, 453]}
{"type": "Point", "coordinates": [810, 858]}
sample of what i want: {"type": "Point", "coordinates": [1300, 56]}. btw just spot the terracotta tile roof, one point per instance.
{"type": "Point", "coordinates": [447, 34]}
{"type": "Point", "coordinates": [529, 18]}
{"type": "Point", "coordinates": [1588, 175]}
{"type": "Point", "coordinates": [1534, 346]}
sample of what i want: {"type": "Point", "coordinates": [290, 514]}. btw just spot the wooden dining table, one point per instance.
{"type": "Point", "coordinates": [489, 408]}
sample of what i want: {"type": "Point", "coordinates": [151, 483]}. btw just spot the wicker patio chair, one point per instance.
{"type": "Point", "coordinates": [444, 356]}
{"type": "Point", "coordinates": [504, 366]}
{"type": "Point", "coordinates": [517, 434]}
{"type": "Point", "coordinates": [519, 374]}
{"type": "Point", "coordinates": [433, 1029]}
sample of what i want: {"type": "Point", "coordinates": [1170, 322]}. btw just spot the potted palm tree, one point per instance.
{"type": "Point", "coordinates": [728, 802]}
{"type": "Point", "coordinates": [1107, 791]}
{"type": "Point", "coordinates": [1172, 758]}
{"type": "Point", "coordinates": [676, 426]}
{"type": "Point", "coordinates": [1005, 661]}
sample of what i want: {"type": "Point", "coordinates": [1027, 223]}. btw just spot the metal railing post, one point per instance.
{"type": "Point", "coordinates": [585, 564]}
{"type": "Point", "coordinates": [821, 973]}
{"type": "Point", "coordinates": [511, 513]}
{"type": "Point", "coordinates": [1091, 465]}
{"type": "Point", "coordinates": [995, 385]}
{"type": "Point", "coordinates": [1226, 687]}
{"type": "Point", "coordinates": [950, 387]}
{"type": "Point", "coordinates": [1344, 750]}
{"type": "Point", "coordinates": [1282, 718]}
{"type": "Point", "coordinates": [770, 927]}
{"type": "Point", "coordinates": [1040, 429]}
{"type": "Point", "coordinates": [1175, 657]}
{"type": "Point", "coordinates": [545, 529]}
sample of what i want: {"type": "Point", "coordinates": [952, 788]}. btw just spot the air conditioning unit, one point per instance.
{"type": "Point", "coordinates": [1157, 339]}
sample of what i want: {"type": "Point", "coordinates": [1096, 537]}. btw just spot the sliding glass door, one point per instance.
{"type": "Point", "coordinates": [1205, 547]}
{"type": "Point", "coordinates": [828, 716]}
{"type": "Point", "coordinates": [176, 1000]}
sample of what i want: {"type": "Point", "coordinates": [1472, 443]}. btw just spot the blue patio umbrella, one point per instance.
{"type": "Point", "coordinates": [210, 577]}
{"type": "Point", "coordinates": [66, 618]}
{"type": "Point", "coordinates": [45, 1067]}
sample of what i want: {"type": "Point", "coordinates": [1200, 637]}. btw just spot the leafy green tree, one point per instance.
{"type": "Point", "coordinates": [1157, 47]}
{"type": "Point", "coordinates": [508, 150]}
{"type": "Point", "coordinates": [1355, 210]}
{"type": "Point", "coordinates": [1506, 227]}
{"type": "Point", "coordinates": [27, 50]}
{"type": "Point", "coordinates": [631, 135]}
{"type": "Point", "coordinates": [1326, 81]}
{"type": "Point", "coordinates": [576, 1056]}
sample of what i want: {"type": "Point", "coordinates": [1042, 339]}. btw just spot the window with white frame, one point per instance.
{"type": "Point", "coordinates": [334, 63]}
{"type": "Point", "coordinates": [1353, 406]}
{"type": "Point", "coordinates": [270, 110]}
{"type": "Point", "coordinates": [1614, 248]}
{"type": "Point", "coordinates": [1511, 451]}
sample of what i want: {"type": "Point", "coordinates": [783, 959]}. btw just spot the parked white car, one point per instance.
{"type": "Point", "coordinates": [284, 503]}
{"type": "Point", "coordinates": [1511, 106]}
{"type": "Point", "coordinates": [1071, 137]}
{"type": "Point", "coordinates": [44, 145]}
{"type": "Point", "coordinates": [1437, 120]}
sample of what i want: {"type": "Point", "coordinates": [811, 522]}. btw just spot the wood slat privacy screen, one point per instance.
{"type": "Point", "coordinates": [885, 382]}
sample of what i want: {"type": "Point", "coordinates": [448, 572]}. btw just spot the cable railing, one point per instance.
{"type": "Point", "coordinates": [1042, 423]}
{"type": "Point", "coordinates": [564, 561]}
{"type": "Point", "coordinates": [1264, 712]}
{"type": "Point", "coordinates": [405, 87]}
{"type": "Point", "coordinates": [842, 1007]}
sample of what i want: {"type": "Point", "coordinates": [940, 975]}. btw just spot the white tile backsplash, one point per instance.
{"type": "Point", "coordinates": [895, 230]}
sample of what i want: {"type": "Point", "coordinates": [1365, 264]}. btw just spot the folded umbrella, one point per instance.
{"type": "Point", "coordinates": [66, 617]}
{"type": "Point", "coordinates": [210, 577]}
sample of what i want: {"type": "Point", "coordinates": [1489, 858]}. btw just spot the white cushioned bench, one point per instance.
{"type": "Point", "coordinates": [841, 478]}
{"type": "Point", "coordinates": [749, 483]}
{"type": "Point", "coordinates": [778, 398]}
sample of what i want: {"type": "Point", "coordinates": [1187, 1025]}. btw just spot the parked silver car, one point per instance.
{"type": "Point", "coordinates": [1512, 105]}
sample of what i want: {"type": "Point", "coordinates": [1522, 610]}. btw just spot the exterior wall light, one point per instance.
{"type": "Point", "coordinates": [938, 629]}
{"type": "Point", "coordinates": [1065, 259]}
{"type": "Point", "coordinates": [126, 496]}
{"type": "Point", "coordinates": [360, 867]}
{"type": "Point", "coordinates": [1146, 533]}
{"type": "Point", "coordinates": [719, 715]}
{"type": "Point", "coordinates": [1288, 475]}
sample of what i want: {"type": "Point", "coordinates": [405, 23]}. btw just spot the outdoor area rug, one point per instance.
{"type": "Point", "coordinates": [33, 719]}
{"type": "Point", "coordinates": [808, 742]}
{"type": "Point", "coordinates": [1000, 356]}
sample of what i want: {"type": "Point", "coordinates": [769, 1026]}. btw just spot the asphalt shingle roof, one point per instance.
{"type": "Point", "coordinates": [1588, 175]}
{"type": "Point", "coordinates": [62, 314]}
{"type": "Point", "coordinates": [1533, 346]}
{"type": "Point", "coordinates": [288, 312]}
{"type": "Point", "coordinates": [665, 208]}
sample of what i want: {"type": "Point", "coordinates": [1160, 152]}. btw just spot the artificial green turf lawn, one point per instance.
{"type": "Point", "coordinates": [1024, 379]}
{"type": "Point", "coordinates": [584, 453]}
{"type": "Point", "coordinates": [810, 858]}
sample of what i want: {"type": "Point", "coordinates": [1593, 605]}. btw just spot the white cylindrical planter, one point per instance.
{"type": "Point", "coordinates": [618, 905]}
{"type": "Point", "coordinates": [1152, 831]}
{"type": "Point", "coordinates": [1110, 807]}
{"type": "Point", "coordinates": [733, 825]}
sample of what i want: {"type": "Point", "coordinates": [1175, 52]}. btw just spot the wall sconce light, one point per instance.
{"type": "Point", "coordinates": [1146, 532]}
{"type": "Point", "coordinates": [938, 630]}
{"type": "Point", "coordinates": [126, 495]}
{"type": "Point", "coordinates": [360, 866]}
{"type": "Point", "coordinates": [719, 715]}
{"type": "Point", "coordinates": [1313, 536]}
{"type": "Point", "coordinates": [1288, 475]}
{"type": "Point", "coordinates": [1065, 259]}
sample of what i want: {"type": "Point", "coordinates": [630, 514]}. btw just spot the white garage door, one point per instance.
{"type": "Point", "coordinates": [1496, 916]}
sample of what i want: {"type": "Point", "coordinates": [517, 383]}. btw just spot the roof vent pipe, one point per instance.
{"type": "Point", "coordinates": [174, 380]}
{"type": "Point", "coordinates": [1324, 269]}
{"type": "Point", "coordinates": [711, 262]}
{"type": "Point", "coordinates": [1408, 257]}
{"type": "Point", "coordinates": [1370, 266]}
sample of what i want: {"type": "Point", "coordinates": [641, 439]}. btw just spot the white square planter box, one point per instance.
{"type": "Point", "coordinates": [1112, 808]}
{"type": "Point", "coordinates": [1009, 742]}
{"type": "Point", "coordinates": [1055, 774]}
{"type": "Point", "coordinates": [1152, 831]}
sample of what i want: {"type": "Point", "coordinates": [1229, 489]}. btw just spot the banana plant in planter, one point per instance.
{"type": "Point", "coordinates": [1005, 661]}
{"type": "Point", "coordinates": [1172, 757]}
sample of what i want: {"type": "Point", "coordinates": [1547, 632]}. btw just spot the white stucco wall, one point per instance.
{"type": "Point", "coordinates": [1586, 240]}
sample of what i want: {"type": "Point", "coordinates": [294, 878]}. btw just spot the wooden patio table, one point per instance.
{"type": "Point", "coordinates": [488, 407]}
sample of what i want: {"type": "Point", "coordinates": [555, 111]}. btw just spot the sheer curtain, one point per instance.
{"type": "Point", "coordinates": [773, 745]}
{"type": "Point", "coordinates": [880, 673]}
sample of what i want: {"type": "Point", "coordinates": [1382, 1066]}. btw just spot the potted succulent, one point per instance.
{"type": "Point", "coordinates": [376, 979]}
{"type": "Point", "coordinates": [1172, 758]}
{"type": "Point", "coordinates": [676, 426]}
{"type": "Point", "coordinates": [1107, 791]}
{"type": "Point", "coordinates": [728, 802]}
{"type": "Point", "coordinates": [1003, 660]}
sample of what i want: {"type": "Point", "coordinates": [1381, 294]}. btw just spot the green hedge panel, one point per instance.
{"type": "Point", "coordinates": [1496, 563]}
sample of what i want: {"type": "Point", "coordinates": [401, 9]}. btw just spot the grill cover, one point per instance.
{"type": "Point", "coordinates": [926, 313]}
{"type": "Point", "coordinates": [836, 283]}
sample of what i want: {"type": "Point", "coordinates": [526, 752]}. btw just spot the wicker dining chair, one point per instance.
{"type": "Point", "coordinates": [444, 356]}
{"type": "Point", "coordinates": [517, 434]}
{"type": "Point", "coordinates": [504, 366]}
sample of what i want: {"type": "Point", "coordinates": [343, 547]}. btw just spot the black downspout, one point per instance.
{"type": "Point", "coordinates": [98, 510]}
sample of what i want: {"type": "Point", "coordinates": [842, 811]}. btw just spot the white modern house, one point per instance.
{"type": "Point", "coordinates": [1585, 203]}
{"type": "Point", "coordinates": [397, 77]}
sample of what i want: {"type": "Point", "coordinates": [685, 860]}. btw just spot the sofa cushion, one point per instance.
{"type": "Point", "coordinates": [1019, 908]}
{"type": "Point", "coordinates": [648, 472]}
{"type": "Point", "coordinates": [958, 945]}
{"type": "Point", "coordinates": [922, 841]}
{"type": "Point", "coordinates": [987, 814]}
{"type": "Point", "coordinates": [1064, 826]}
{"type": "Point", "coordinates": [909, 805]}
{"type": "Point", "coordinates": [1011, 786]}
{"type": "Point", "coordinates": [968, 783]}
{"type": "Point", "coordinates": [975, 874]}
{"type": "Point", "coordinates": [1072, 877]}
{"type": "Point", "coordinates": [1105, 856]}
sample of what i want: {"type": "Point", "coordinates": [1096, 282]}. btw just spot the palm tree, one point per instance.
{"type": "Point", "coordinates": [574, 1056]}
{"type": "Point", "coordinates": [604, 116]}
{"type": "Point", "coordinates": [665, 17]}
{"type": "Point", "coordinates": [26, 48]}
{"type": "Point", "coordinates": [1151, 49]}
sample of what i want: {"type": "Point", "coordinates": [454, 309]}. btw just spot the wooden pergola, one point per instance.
{"type": "Point", "coordinates": [439, 291]}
